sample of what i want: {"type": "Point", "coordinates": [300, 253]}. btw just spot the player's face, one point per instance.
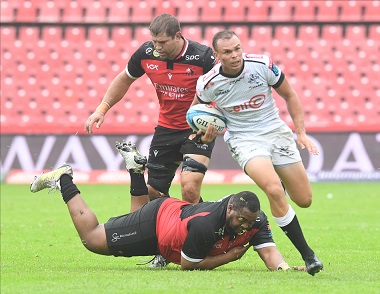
{"type": "Point", "coordinates": [230, 54]}
{"type": "Point", "coordinates": [167, 47]}
{"type": "Point", "coordinates": [239, 221]}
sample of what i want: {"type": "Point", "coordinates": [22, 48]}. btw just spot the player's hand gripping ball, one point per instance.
{"type": "Point", "coordinates": [200, 116]}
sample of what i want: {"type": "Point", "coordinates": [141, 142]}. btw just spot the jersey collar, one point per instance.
{"type": "Point", "coordinates": [184, 48]}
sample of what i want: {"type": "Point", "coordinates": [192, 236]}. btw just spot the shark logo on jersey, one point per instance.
{"type": "Point", "coordinates": [254, 79]}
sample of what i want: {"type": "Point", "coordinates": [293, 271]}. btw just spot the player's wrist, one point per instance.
{"type": "Point", "coordinates": [103, 107]}
{"type": "Point", "coordinates": [283, 266]}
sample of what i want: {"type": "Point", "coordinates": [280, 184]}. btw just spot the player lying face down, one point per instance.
{"type": "Point", "coordinates": [196, 236]}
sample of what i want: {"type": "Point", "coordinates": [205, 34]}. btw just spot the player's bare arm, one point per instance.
{"type": "Point", "coordinates": [211, 262]}
{"type": "Point", "coordinates": [195, 101]}
{"type": "Point", "coordinates": [114, 94]}
{"type": "Point", "coordinates": [274, 260]}
{"type": "Point", "coordinates": [286, 91]}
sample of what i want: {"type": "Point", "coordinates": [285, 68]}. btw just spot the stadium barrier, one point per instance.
{"type": "Point", "coordinates": [343, 157]}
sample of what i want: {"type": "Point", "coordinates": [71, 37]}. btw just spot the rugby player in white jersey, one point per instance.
{"type": "Point", "coordinates": [259, 140]}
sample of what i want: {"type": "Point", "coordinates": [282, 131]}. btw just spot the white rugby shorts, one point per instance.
{"type": "Point", "coordinates": [278, 145]}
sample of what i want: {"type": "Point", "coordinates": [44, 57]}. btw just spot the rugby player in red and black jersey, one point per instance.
{"type": "Point", "coordinates": [196, 236]}
{"type": "Point", "coordinates": [173, 64]}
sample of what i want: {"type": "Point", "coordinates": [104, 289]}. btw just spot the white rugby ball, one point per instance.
{"type": "Point", "coordinates": [200, 116]}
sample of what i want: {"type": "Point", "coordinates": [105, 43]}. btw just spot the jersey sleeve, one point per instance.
{"type": "Point", "coordinates": [134, 69]}
{"type": "Point", "coordinates": [199, 241]}
{"type": "Point", "coordinates": [264, 237]}
{"type": "Point", "coordinates": [201, 92]}
{"type": "Point", "coordinates": [208, 61]}
{"type": "Point", "coordinates": [274, 74]}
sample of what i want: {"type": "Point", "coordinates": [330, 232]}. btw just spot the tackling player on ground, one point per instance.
{"type": "Point", "coordinates": [196, 236]}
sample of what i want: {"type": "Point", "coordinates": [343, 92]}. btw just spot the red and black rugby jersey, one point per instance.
{"type": "Point", "coordinates": [173, 80]}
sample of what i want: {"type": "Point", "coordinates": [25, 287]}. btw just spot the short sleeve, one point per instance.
{"type": "Point", "coordinates": [199, 241]}
{"type": "Point", "coordinates": [264, 234]}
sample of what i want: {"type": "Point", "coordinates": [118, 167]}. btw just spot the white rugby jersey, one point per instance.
{"type": "Point", "coordinates": [245, 99]}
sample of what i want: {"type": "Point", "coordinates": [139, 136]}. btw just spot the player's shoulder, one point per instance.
{"type": "Point", "coordinates": [196, 47]}
{"type": "Point", "coordinates": [210, 75]}
{"type": "Point", "coordinates": [146, 49]}
{"type": "Point", "coordinates": [257, 58]}
{"type": "Point", "coordinates": [261, 220]}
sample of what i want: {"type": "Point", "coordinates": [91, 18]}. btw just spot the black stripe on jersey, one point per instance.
{"type": "Point", "coordinates": [250, 60]}
{"type": "Point", "coordinates": [280, 80]}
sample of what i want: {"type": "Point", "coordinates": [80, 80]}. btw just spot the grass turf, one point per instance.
{"type": "Point", "coordinates": [41, 252]}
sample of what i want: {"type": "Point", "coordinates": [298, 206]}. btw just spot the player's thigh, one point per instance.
{"type": "Point", "coordinates": [262, 172]}
{"type": "Point", "coordinates": [297, 183]}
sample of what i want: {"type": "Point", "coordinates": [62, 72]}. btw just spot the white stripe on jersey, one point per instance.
{"type": "Point", "coordinates": [245, 100]}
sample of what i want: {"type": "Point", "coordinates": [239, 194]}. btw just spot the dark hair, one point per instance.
{"type": "Point", "coordinates": [164, 24]}
{"type": "Point", "coordinates": [245, 199]}
{"type": "Point", "coordinates": [226, 35]}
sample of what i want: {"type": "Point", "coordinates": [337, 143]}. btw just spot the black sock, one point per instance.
{"type": "Point", "coordinates": [68, 188]}
{"type": "Point", "coordinates": [138, 185]}
{"type": "Point", "coordinates": [294, 232]}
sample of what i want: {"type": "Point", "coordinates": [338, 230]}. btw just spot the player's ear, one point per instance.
{"type": "Point", "coordinates": [178, 35]}
{"type": "Point", "coordinates": [230, 208]}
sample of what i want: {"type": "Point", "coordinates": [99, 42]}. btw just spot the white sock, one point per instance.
{"type": "Point", "coordinates": [286, 219]}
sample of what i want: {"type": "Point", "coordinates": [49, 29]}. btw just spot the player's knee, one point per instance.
{"type": "Point", "coordinates": [154, 194]}
{"type": "Point", "coordinates": [274, 192]}
{"type": "Point", "coordinates": [160, 178]}
{"type": "Point", "coordinates": [190, 164]}
{"type": "Point", "coordinates": [304, 201]}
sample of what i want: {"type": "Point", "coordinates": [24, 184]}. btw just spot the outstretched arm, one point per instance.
{"type": "Point", "coordinates": [286, 91]}
{"type": "Point", "coordinates": [115, 92]}
{"type": "Point", "coordinates": [274, 260]}
{"type": "Point", "coordinates": [211, 262]}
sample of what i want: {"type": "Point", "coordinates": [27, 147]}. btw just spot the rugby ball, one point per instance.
{"type": "Point", "coordinates": [200, 116]}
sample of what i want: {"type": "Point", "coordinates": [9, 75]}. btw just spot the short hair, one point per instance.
{"type": "Point", "coordinates": [164, 24]}
{"type": "Point", "coordinates": [222, 35]}
{"type": "Point", "coordinates": [245, 199]}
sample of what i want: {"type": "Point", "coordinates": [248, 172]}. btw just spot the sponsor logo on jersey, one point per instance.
{"type": "Point", "coordinates": [254, 56]}
{"type": "Point", "coordinates": [148, 51]}
{"type": "Point", "coordinates": [171, 91]}
{"type": "Point", "coordinates": [220, 232]}
{"type": "Point", "coordinates": [152, 66]}
{"type": "Point", "coordinates": [209, 74]}
{"type": "Point", "coordinates": [221, 92]}
{"type": "Point", "coordinates": [274, 68]}
{"type": "Point", "coordinates": [233, 82]}
{"type": "Point", "coordinates": [170, 76]}
{"type": "Point", "coordinates": [218, 245]}
{"type": "Point", "coordinates": [192, 57]}
{"type": "Point", "coordinates": [253, 103]}
{"type": "Point", "coordinates": [155, 53]}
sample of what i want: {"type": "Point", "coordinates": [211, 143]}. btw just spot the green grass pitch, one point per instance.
{"type": "Point", "coordinates": [41, 252]}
